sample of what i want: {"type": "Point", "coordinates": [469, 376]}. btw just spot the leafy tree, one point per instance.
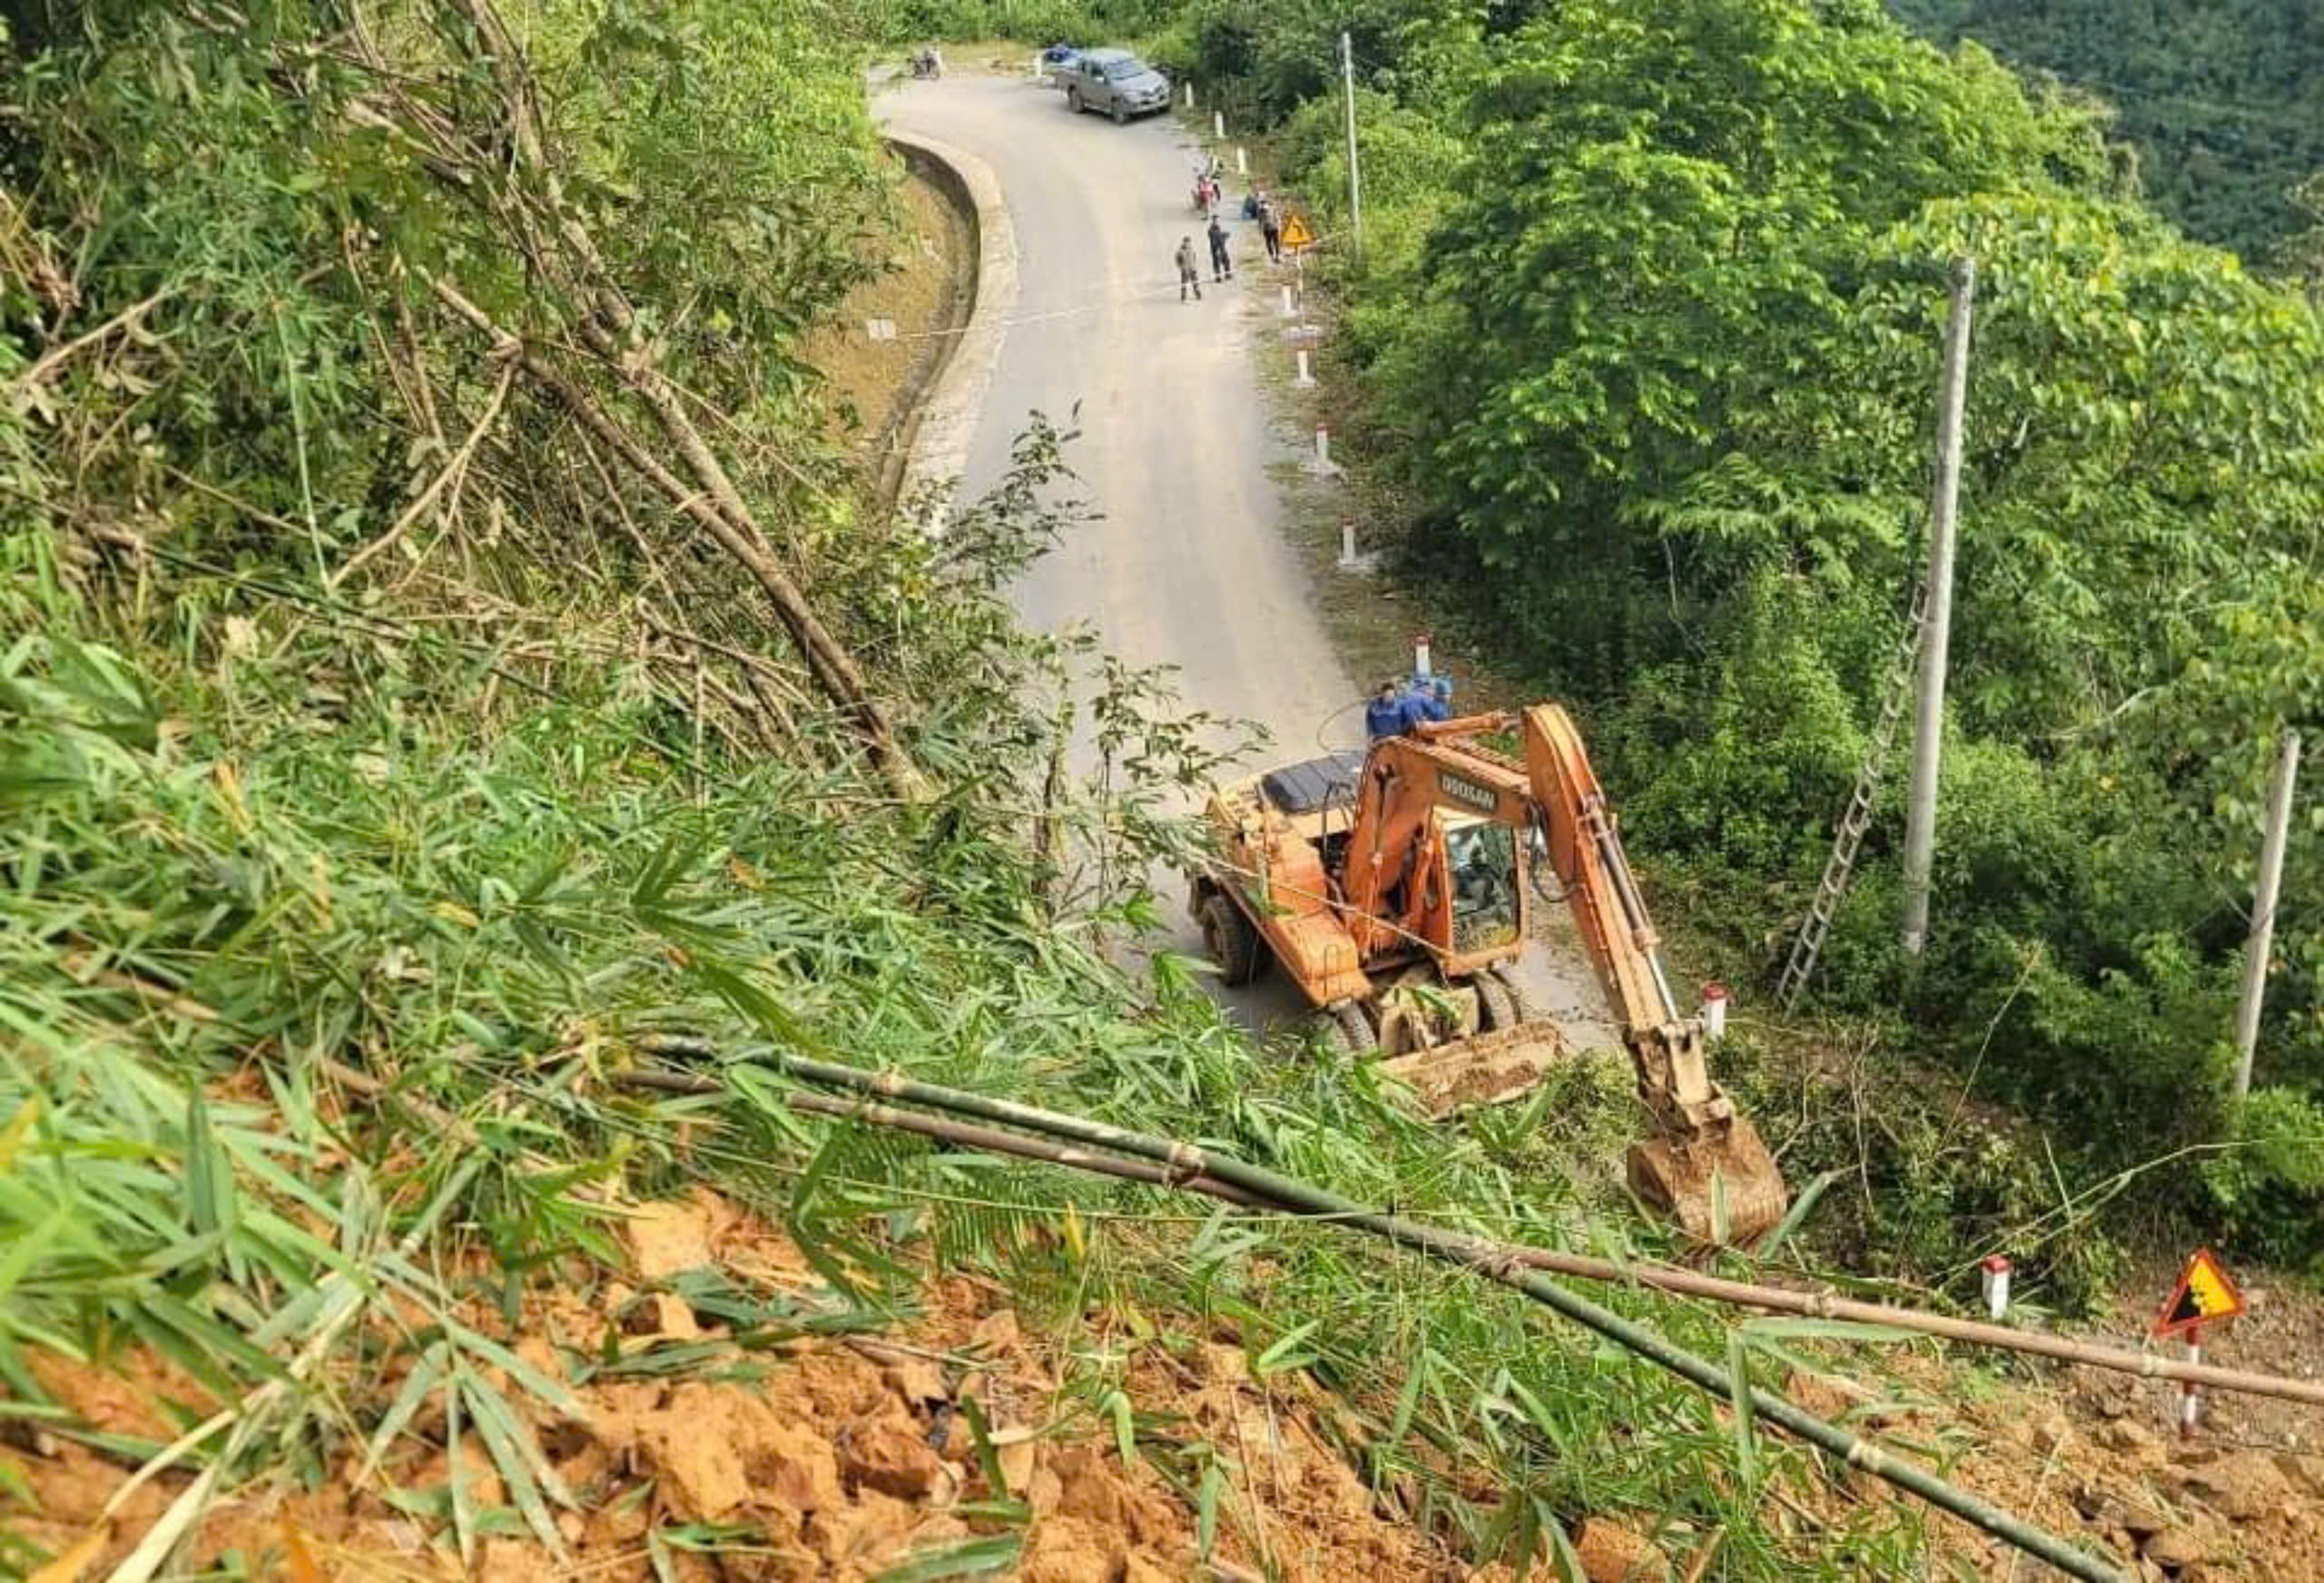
{"type": "Point", "coordinates": [1660, 379]}
{"type": "Point", "coordinates": [1655, 233]}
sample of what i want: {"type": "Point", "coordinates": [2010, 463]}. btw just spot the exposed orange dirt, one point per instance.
{"type": "Point", "coordinates": [820, 1459]}
{"type": "Point", "coordinates": [838, 1458]}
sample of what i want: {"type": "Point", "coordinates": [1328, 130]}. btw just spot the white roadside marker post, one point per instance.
{"type": "Point", "coordinates": [1287, 311]}
{"type": "Point", "coordinates": [1995, 1277]}
{"type": "Point", "coordinates": [1190, 94]}
{"type": "Point", "coordinates": [1242, 161]}
{"type": "Point", "coordinates": [1218, 125]}
{"type": "Point", "coordinates": [1306, 381]}
{"type": "Point", "coordinates": [1347, 547]}
{"type": "Point", "coordinates": [1320, 465]}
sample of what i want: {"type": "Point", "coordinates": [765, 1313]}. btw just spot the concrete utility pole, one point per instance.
{"type": "Point", "coordinates": [1355, 182]}
{"type": "Point", "coordinates": [2263, 911]}
{"type": "Point", "coordinates": [1928, 731]}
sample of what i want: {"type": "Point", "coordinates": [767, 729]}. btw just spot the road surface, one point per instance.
{"type": "Point", "coordinates": [1187, 565]}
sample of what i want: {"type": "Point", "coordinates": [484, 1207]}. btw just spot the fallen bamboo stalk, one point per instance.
{"type": "Point", "coordinates": [1970, 1332]}
{"type": "Point", "coordinates": [1745, 1294]}
{"type": "Point", "coordinates": [828, 662]}
{"type": "Point", "coordinates": [995, 1141]}
{"type": "Point", "coordinates": [1184, 1164]}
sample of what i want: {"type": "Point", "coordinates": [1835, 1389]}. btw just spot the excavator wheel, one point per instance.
{"type": "Point", "coordinates": [1718, 1189]}
{"type": "Point", "coordinates": [1231, 940]}
{"type": "Point", "coordinates": [1346, 1030]}
{"type": "Point", "coordinates": [1500, 1003]}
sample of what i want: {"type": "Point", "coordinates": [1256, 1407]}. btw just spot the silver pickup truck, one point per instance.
{"type": "Point", "coordinates": [1115, 81]}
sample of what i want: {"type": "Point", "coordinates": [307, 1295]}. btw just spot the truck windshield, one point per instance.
{"type": "Point", "coordinates": [1483, 861]}
{"type": "Point", "coordinates": [1118, 70]}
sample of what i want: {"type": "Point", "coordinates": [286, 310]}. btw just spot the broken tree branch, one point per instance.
{"type": "Point", "coordinates": [452, 468]}
{"type": "Point", "coordinates": [49, 362]}
{"type": "Point", "coordinates": [831, 666]}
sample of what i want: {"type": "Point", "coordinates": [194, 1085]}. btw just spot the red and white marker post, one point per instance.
{"type": "Point", "coordinates": [1993, 1275]}
{"type": "Point", "coordinates": [1714, 1011]}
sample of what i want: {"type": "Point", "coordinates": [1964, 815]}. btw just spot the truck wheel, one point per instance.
{"type": "Point", "coordinates": [1073, 100]}
{"type": "Point", "coordinates": [1500, 1003]}
{"type": "Point", "coordinates": [1120, 114]}
{"type": "Point", "coordinates": [1232, 943]}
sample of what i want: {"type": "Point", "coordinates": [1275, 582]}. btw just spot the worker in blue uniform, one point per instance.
{"type": "Point", "coordinates": [1425, 698]}
{"type": "Point", "coordinates": [1384, 714]}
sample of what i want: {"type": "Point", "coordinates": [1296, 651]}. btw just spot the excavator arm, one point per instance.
{"type": "Point", "coordinates": [1705, 1163]}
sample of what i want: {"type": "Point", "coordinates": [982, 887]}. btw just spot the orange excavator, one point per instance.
{"type": "Point", "coordinates": [1392, 887]}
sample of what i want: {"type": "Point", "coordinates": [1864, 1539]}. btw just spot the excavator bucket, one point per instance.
{"type": "Point", "coordinates": [1721, 1185]}
{"type": "Point", "coordinates": [1484, 1068]}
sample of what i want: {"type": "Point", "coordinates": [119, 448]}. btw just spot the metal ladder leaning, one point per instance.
{"type": "Point", "coordinates": [1845, 841]}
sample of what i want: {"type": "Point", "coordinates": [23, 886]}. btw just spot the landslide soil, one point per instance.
{"type": "Point", "coordinates": [834, 1460]}
{"type": "Point", "coordinates": [840, 1457]}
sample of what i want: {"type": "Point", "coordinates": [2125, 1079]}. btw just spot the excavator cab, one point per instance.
{"type": "Point", "coordinates": [1487, 914]}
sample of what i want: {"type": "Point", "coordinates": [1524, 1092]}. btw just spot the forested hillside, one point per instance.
{"type": "Point", "coordinates": [1647, 335]}
{"type": "Point", "coordinates": [2224, 99]}
{"type": "Point", "coordinates": [456, 703]}
{"type": "Point", "coordinates": [467, 734]}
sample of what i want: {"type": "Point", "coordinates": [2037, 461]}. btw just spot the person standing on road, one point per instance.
{"type": "Point", "coordinates": [1271, 228]}
{"type": "Point", "coordinates": [1189, 276]}
{"type": "Point", "coordinates": [1222, 268]}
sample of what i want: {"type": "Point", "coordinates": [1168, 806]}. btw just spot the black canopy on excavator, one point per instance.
{"type": "Point", "coordinates": [1313, 785]}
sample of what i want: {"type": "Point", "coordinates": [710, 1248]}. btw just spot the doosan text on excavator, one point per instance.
{"type": "Point", "coordinates": [1392, 887]}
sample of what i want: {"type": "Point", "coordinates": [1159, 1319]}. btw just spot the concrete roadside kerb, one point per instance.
{"type": "Point", "coordinates": [939, 447]}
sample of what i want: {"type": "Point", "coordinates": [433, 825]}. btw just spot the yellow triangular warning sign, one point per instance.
{"type": "Point", "coordinates": [1295, 234]}
{"type": "Point", "coordinates": [2205, 1294]}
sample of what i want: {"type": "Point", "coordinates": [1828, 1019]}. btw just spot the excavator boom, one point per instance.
{"type": "Point", "coordinates": [1705, 1164]}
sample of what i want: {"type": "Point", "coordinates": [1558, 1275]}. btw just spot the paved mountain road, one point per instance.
{"type": "Point", "coordinates": [1187, 564]}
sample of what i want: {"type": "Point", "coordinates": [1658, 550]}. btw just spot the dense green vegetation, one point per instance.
{"type": "Point", "coordinates": [1647, 335]}
{"type": "Point", "coordinates": [2223, 101]}
{"type": "Point", "coordinates": [440, 657]}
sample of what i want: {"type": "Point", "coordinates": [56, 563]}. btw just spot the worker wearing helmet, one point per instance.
{"type": "Point", "coordinates": [1428, 698]}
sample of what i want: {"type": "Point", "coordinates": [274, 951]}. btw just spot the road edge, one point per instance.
{"type": "Point", "coordinates": [936, 451]}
